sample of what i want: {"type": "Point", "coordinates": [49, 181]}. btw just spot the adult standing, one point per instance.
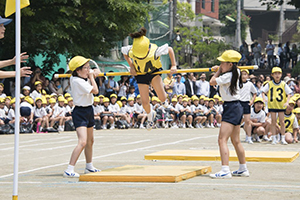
{"type": "Point", "coordinates": [111, 86]}
{"type": "Point", "coordinates": [203, 86]}
{"type": "Point", "coordinates": [124, 86]}
{"type": "Point", "coordinates": [190, 85]}
{"type": "Point", "coordinates": [270, 54]}
{"type": "Point", "coordinates": [169, 82]}
{"type": "Point", "coordinates": [280, 55]}
{"type": "Point", "coordinates": [287, 55]}
{"type": "Point", "coordinates": [294, 55]}
{"type": "Point", "coordinates": [179, 87]}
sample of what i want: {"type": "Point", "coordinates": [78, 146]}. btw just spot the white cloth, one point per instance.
{"type": "Point", "coordinates": [114, 108]}
{"type": "Point", "coordinates": [97, 109]}
{"type": "Point", "coordinates": [2, 113]}
{"type": "Point", "coordinates": [260, 116]}
{"type": "Point", "coordinates": [162, 50]}
{"type": "Point", "coordinates": [59, 111]}
{"type": "Point", "coordinates": [26, 104]}
{"type": "Point", "coordinates": [123, 109]}
{"type": "Point", "coordinates": [246, 91]}
{"type": "Point", "coordinates": [203, 88]}
{"type": "Point", "coordinates": [287, 89]}
{"type": "Point", "coordinates": [39, 112]}
{"type": "Point", "coordinates": [139, 108]}
{"type": "Point", "coordinates": [11, 114]}
{"type": "Point", "coordinates": [81, 92]}
{"type": "Point", "coordinates": [224, 82]}
{"type": "Point", "coordinates": [130, 109]}
{"type": "Point", "coordinates": [35, 94]}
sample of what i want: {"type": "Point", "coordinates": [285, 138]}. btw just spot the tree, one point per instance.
{"type": "Point", "coordinates": [203, 46]}
{"type": "Point", "coordinates": [272, 3]}
{"type": "Point", "coordinates": [77, 27]}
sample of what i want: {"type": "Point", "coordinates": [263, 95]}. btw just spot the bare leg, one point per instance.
{"type": "Point", "coordinates": [82, 140]}
{"type": "Point", "coordinates": [88, 151]}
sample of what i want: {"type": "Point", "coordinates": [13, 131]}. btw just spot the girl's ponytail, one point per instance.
{"type": "Point", "coordinates": [140, 33]}
{"type": "Point", "coordinates": [234, 79]}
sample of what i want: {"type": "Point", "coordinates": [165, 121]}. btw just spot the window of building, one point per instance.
{"type": "Point", "coordinates": [203, 4]}
{"type": "Point", "coordinates": [212, 5]}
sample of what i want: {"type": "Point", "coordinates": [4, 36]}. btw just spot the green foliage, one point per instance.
{"type": "Point", "coordinates": [75, 27]}
{"type": "Point", "coordinates": [230, 27]}
{"type": "Point", "coordinates": [296, 70]}
{"type": "Point", "coordinates": [204, 47]}
{"type": "Point", "coordinates": [273, 37]}
{"type": "Point", "coordinates": [272, 3]}
{"type": "Point", "coordinates": [296, 36]}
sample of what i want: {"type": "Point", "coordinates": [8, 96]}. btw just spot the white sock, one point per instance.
{"type": "Point", "coordinates": [265, 137]}
{"type": "Point", "coordinates": [89, 165]}
{"type": "Point", "coordinates": [283, 138]}
{"type": "Point", "coordinates": [149, 115]}
{"type": "Point", "coordinates": [225, 168]}
{"type": "Point", "coordinates": [70, 168]}
{"type": "Point", "coordinates": [242, 167]}
{"type": "Point", "coordinates": [278, 136]}
{"type": "Point", "coordinates": [249, 138]}
{"type": "Point", "coordinates": [274, 138]}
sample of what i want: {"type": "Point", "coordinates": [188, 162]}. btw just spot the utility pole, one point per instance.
{"type": "Point", "coordinates": [238, 24]}
{"type": "Point", "coordinates": [171, 21]}
{"type": "Point", "coordinates": [281, 18]}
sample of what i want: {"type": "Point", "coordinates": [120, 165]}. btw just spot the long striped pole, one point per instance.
{"type": "Point", "coordinates": [160, 72]}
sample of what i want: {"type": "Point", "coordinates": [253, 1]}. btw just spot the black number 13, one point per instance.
{"type": "Point", "coordinates": [279, 92]}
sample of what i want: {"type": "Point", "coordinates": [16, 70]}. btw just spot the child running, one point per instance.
{"type": "Point", "coordinates": [83, 79]}
{"type": "Point", "coordinates": [144, 57]}
{"type": "Point", "coordinates": [229, 80]}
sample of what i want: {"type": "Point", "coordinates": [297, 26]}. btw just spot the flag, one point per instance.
{"type": "Point", "coordinates": [10, 7]}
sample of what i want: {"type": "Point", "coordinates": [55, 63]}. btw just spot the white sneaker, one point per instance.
{"type": "Point", "coordinates": [221, 174]}
{"type": "Point", "coordinates": [284, 142]}
{"type": "Point", "coordinates": [87, 171]}
{"type": "Point", "coordinates": [250, 141]}
{"type": "Point", "coordinates": [142, 126]}
{"type": "Point", "coordinates": [257, 138]}
{"type": "Point", "coordinates": [265, 138]}
{"type": "Point", "coordinates": [244, 173]}
{"type": "Point", "coordinates": [207, 126]}
{"type": "Point", "coordinates": [274, 142]}
{"type": "Point", "coordinates": [212, 126]}
{"type": "Point", "coordinates": [151, 124]}
{"type": "Point", "coordinates": [70, 174]}
{"type": "Point", "coordinates": [201, 126]}
{"type": "Point", "coordinates": [104, 127]}
{"type": "Point", "coordinates": [197, 126]}
{"type": "Point", "coordinates": [190, 126]}
{"type": "Point", "coordinates": [174, 126]}
{"type": "Point", "coordinates": [183, 126]}
{"type": "Point", "coordinates": [112, 127]}
{"type": "Point", "coordinates": [218, 125]}
{"type": "Point", "coordinates": [60, 129]}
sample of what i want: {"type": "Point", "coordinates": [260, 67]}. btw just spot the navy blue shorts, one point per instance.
{"type": "Point", "coordinates": [83, 116]}
{"type": "Point", "coordinates": [276, 110]}
{"type": "Point", "coordinates": [25, 111]}
{"type": "Point", "coordinates": [147, 78]}
{"type": "Point", "coordinates": [246, 107]}
{"type": "Point", "coordinates": [233, 112]}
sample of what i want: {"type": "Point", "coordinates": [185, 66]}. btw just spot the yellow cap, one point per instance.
{"type": "Point", "coordinates": [154, 98]}
{"type": "Point", "coordinates": [67, 95]}
{"type": "Point", "coordinates": [206, 99]}
{"type": "Point", "coordinates": [29, 99]}
{"type": "Point", "coordinates": [185, 96]}
{"type": "Point", "coordinates": [52, 100]}
{"type": "Point", "coordinates": [71, 99]}
{"type": "Point", "coordinates": [216, 96]}
{"type": "Point", "coordinates": [140, 46]}
{"type": "Point", "coordinates": [61, 98]}
{"type": "Point", "coordinates": [113, 95]}
{"type": "Point", "coordinates": [47, 96]}
{"type": "Point", "coordinates": [13, 101]}
{"type": "Point", "coordinates": [202, 97]}
{"type": "Point", "coordinates": [77, 61]}
{"type": "Point", "coordinates": [276, 69]}
{"type": "Point", "coordinates": [258, 99]}
{"type": "Point", "coordinates": [138, 96]}
{"type": "Point", "coordinates": [8, 97]}
{"type": "Point", "coordinates": [291, 101]}
{"type": "Point", "coordinates": [119, 103]}
{"type": "Point", "coordinates": [230, 56]}
{"type": "Point", "coordinates": [179, 95]}
{"type": "Point", "coordinates": [101, 96]}
{"type": "Point", "coordinates": [195, 98]}
{"type": "Point", "coordinates": [66, 101]}
{"type": "Point", "coordinates": [220, 99]}
{"type": "Point", "coordinates": [245, 70]}
{"type": "Point", "coordinates": [174, 100]}
{"type": "Point", "coordinates": [297, 110]}
{"type": "Point", "coordinates": [38, 98]}
{"type": "Point", "coordinates": [123, 99]}
{"type": "Point", "coordinates": [44, 101]}
{"type": "Point", "coordinates": [211, 99]}
{"type": "Point", "coordinates": [44, 92]}
{"type": "Point", "coordinates": [105, 100]}
{"type": "Point", "coordinates": [2, 100]}
{"type": "Point", "coordinates": [184, 99]}
{"type": "Point", "coordinates": [130, 99]}
{"type": "Point", "coordinates": [37, 82]}
{"type": "Point", "coordinates": [96, 99]}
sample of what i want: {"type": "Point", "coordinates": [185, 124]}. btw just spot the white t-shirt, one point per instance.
{"type": "Point", "coordinates": [139, 108]}
{"type": "Point", "coordinates": [39, 112]}
{"type": "Point", "coordinates": [224, 82]}
{"type": "Point", "coordinates": [114, 108]}
{"type": "Point", "coordinates": [130, 109]}
{"type": "Point", "coordinates": [246, 91]}
{"type": "Point", "coordinates": [59, 111]}
{"type": "Point", "coordinates": [260, 116]}
{"type": "Point", "coordinates": [287, 89]}
{"type": "Point", "coordinates": [2, 113]}
{"type": "Point", "coordinates": [34, 94]}
{"type": "Point", "coordinates": [123, 109]}
{"type": "Point", "coordinates": [97, 109]}
{"type": "Point", "coordinates": [69, 109]}
{"type": "Point", "coordinates": [162, 50]}
{"type": "Point", "coordinates": [11, 114]}
{"type": "Point", "coordinates": [81, 92]}
{"type": "Point", "coordinates": [26, 104]}
{"type": "Point", "coordinates": [194, 108]}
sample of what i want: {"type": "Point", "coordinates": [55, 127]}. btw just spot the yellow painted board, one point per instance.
{"type": "Point", "coordinates": [146, 173]}
{"type": "Point", "coordinates": [214, 155]}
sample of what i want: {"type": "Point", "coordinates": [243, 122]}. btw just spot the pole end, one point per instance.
{"type": "Point", "coordinates": [255, 67]}
{"type": "Point", "coordinates": [56, 75]}
{"type": "Point", "coordinates": [15, 197]}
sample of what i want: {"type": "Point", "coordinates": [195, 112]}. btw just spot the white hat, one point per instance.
{"type": "Point", "coordinates": [26, 88]}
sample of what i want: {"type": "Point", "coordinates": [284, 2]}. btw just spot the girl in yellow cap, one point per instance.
{"type": "Point", "coordinates": [83, 87]}
{"type": "Point", "coordinates": [278, 93]}
{"type": "Point", "coordinates": [228, 78]}
{"type": "Point", "coordinates": [144, 57]}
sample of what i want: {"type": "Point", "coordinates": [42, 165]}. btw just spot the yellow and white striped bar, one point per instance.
{"type": "Point", "coordinates": [254, 67]}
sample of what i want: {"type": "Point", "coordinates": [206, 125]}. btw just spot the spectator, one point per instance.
{"type": "Point", "coordinates": [190, 85]}
{"type": "Point", "coordinates": [297, 86]}
{"type": "Point", "coordinates": [111, 86]}
{"type": "Point", "coordinates": [37, 76]}
{"type": "Point", "coordinates": [101, 84]}
{"type": "Point", "coordinates": [244, 50]}
{"type": "Point", "coordinates": [123, 86]}
{"type": "Point", "coordinates": [179, 87]}
{"type": "Point", "coordinates": [280, 55]}
{"type": "Point", "coordinates": [2, 95]}
{"type": "Point", "coordinates": [202, 86]}
{"type": "Point", "coordinates": [132, 82]}
{"type": "Point", "coordinates": [38, 90]}
{"type": "Point", "coordinates": [294, 55]}
{"type": "Point", "coordinates": [131, 92]}
{"type": "Point", "coordinates": [52, 85]}
{"type": "Point", "coordinates": [261, 77]}
{"type": "Point", "coordinates": [287, 55]}
{"type": "Point", "coordinates": [256, 54]}
{"type": "Point", "coordinates": [270, 54]}
{"type": "Point", "coordinates": [169, 82]}
{"type": "Point", "coordinates": [213, 88]}
{"type": "Point", "coordinates": [65, 84]}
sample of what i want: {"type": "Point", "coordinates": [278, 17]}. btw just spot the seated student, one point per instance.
{"type": "Point", "coordinates": [131, 92]}
{"type": "Point", "coordinates": [107, 115]}
{"type": "Point", "coordinates": [101, 97]}
{"type": "Point", "coordinates": [179, 98]}
{"type": "Point", "coordinates": [40, 115]}
{"type": "Point", "coordinates": [113, 106]}
{"type": "Point", "coordinates": [59, 113]}
{"type": "Point", "coordinates": [11, 112]}
{"type": "Point", "coordinates": [123, 110]}
{"type": "Point", "coordinates": [258, 120]}
{"type": "Point", "coordinates": [49, 109]}
{"type": "Point", "coordinates": [199, 117]}
{"type": "Point", "coordinates": [291, 125]}
{"type": "Point", "coordinates": [2, 112]}
{"type": "Point", "coordinates": [7, 104]}
{"type": "Point", "coordinates": [70, 107]}
{"type": "Point", "coordinates": [130, 110]}
{"type": "Point", "coordinates": [37, 92]}
{"type": "Point", "coordinates": [68, 117]}
{"type": "Point", "coordinates": [2, 95]}
{"type": "Point", "coordinates": [97, 108]}
{"type": "Point", "coordinates": [173, 112]}
{"type": "Point", "coordinates": [26, 110]}
{"type": "Point", "coordinates": [221, 109]}
{"type": "Point", "coordinates": [212, 114]}
{"type": "Point", "coordinates": [297, 113]}
{"type": "Point", "coordinates": [185, 113]}
{"type": "Point", "coordinates": [26, 91]}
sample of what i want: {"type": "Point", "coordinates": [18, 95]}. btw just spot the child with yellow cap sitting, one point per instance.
{"type": "Point", "coordinates": [3, 95]}
{"type": "Point", "coordinates": [139, 112]}
{"type": "Point", "coordinates": [144, 57]}
{"type": "Point", "coordinates": [37, 92]}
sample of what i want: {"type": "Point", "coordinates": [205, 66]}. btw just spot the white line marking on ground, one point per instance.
{"type": "Point", "coordinates": [111, 154]}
